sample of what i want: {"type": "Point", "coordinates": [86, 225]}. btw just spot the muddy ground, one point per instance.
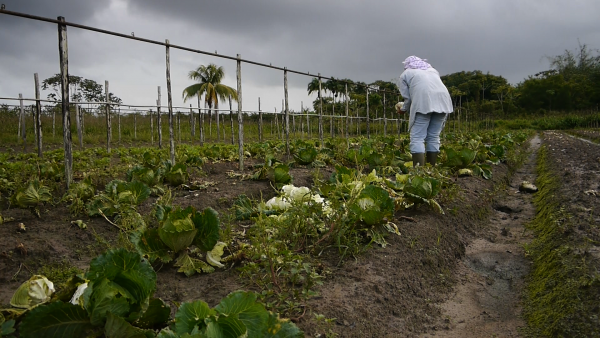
{"type": "Point", "coordinates": [454, 275]}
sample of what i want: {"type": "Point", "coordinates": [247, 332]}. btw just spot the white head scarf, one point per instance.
{"type": "Point", "coordinates": [414, 62]}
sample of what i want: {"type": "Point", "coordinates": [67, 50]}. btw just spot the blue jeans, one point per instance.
{"type": "Point", "coordinates": [426, 130]}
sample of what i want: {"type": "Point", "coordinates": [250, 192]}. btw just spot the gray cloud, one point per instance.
{"type": "Point", "coordinates": [360, 40]}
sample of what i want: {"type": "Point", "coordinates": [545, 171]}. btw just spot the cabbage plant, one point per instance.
{"type": "Point", "coordinates": [423, 190]}
{"type": "Point", "coordinates": [37, 290]}
{"type": "Point", "coordinates": [31, 196]}
{"type": "Point", "coordinates": [118, 302]}
{"type": "Point", "coordinates": [177, 232]}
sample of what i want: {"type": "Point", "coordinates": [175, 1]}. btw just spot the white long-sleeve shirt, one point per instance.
{"type": "Point", "coordinates": [424, 92]}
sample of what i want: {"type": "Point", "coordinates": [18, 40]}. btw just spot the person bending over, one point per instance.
{"type": "Point", "coordinates": [428, 102]}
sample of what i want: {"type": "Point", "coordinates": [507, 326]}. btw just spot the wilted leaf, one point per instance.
{"type": "Point", "coordinates": [56, 319]}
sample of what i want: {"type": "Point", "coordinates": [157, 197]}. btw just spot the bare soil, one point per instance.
{"type": "Point", "coordinates": [454, 275]}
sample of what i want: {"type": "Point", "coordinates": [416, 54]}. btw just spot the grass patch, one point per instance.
{"type": "Point", "coordinates": [563, 290]}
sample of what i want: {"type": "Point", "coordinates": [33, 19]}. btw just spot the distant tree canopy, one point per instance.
{"type": "Point", "coordinates": [572, 83]}
{"type": "Point", "coordinates": [81, 89]}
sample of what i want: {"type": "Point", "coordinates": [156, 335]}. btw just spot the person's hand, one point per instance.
{"type": "Point", "coordinates": [399, 107]}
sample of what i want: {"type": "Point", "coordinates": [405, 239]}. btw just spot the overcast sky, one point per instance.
{"type": "Point", "coordinates": [357, 39]}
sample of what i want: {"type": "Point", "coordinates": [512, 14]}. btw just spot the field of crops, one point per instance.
{"type": "Point", "coordinates": [342, 238]}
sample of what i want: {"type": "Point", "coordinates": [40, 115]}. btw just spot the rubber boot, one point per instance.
{"type": "Point", "coordinates": [418, 159]}
{"type": "Point", "coordinates": [431, 157]}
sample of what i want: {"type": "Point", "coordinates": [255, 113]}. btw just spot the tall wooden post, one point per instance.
{"type": "Point", "coordinates": [260, 123]}
{"type": "Point", "coordinates": [385, 122]}
{"type": "Point", "coordinates": [347, 115]}
{"type": "Point", "coordinates": [179, 125]}
{"type": "Point", "coordinates": [119, 123]}
{"type": "Point", "coordinates": [201, 117]}
{"type": "Point", "coordinates": [231, 121]}
{"type": "Point", "coordinates": [159, 120]}
{"type": "Point", "coordinates": [170, 103]}
{"type": "Point", "coordinates": [38, 115]}
{"type": "Point", "coordinates": [287, 113]}
{"type": "Point", "coordinates": [320, 112]}
{"type": "Point", "coordinates": [78, 121]}
{"type": "Point", "coordinates": [135, 114]}
{"type": "Point", "coordinates": [151, 128]}
{"type": "Point", "coordinates": [108, 117]}
{"type": "Point", "coordinates": [368, 119]}
{"type": "Point", "coordinates": [192, 131]}
{"type": "Point", "coordinates": [64, 82]}
{"type": "Point", "coordinates": [240, 117]}
{"type": "Point", "coordinates": [22, 122]}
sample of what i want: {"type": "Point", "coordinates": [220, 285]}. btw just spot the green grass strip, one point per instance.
{"type": "Point", "coordinates": [562, 297]}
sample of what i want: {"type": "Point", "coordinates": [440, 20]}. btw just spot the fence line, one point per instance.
{"type": "Point", "coordinates": [62, 25]}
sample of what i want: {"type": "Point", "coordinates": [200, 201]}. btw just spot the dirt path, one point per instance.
{"type": "Point", "coordinates": [485, 302]}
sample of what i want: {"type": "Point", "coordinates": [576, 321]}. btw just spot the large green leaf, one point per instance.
{"type": "Point", "coordinates": [280, 175]}
{"type": "Point", "coordinates": [190, 266]}
{"type": "Point", "coordinates": [459, 159]}
{"type": "Point", "coordinates": [225, 327]}
{"type": "Point", "coordinates": [243, 305]}
{"type": "Point", "coordinates": [54, 320]}
{"type": "Point", "coordinates": [306, 155]}
{"type": "Point", "coordinates": [117, 327]}
{"type": "Point", "coordinates": [138, 192]}
{"type": "Point", "coordinates": [373, 205]}
{"type": "Point", "coordinates": [148, 243]}
{"type": "Point", "coordinates": [280, 328]}
{"type": "Point", "coordinates": [156, 315]}
{"type": "Point", "coordinates": [104, 297]}
{"type": "Point", "coordinates": [177, 175]}
{"type": "Point", "coordinates": [243, 208]}
{"type": "Point", "coordinates": [207, 224]}
{"type": "Point", "coordinates": [33, 194]}
{"type": "Point", "coordinates": [190, 317]}
{"type": "Point", "coordinates": [178, 230]}
{"type": "Point", "coordinates": [126, 277]}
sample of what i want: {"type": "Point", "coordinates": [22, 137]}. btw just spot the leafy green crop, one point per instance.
{"type": "Point", "coordinates": [423, 190]}
{"type": "Point", "coordinates": [32, 196]}
{"type": "Point", "coordinates": [118, 303]}
{"type": "Point", "coordinates": [373, 205]}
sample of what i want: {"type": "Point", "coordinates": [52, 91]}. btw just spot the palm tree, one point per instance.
{"type": "Point", "coordinates": [209, 84]}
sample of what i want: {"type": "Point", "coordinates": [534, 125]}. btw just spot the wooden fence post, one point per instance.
{"type": "Point", "coordinates": [78, 121]}
{"type": "Point", "coordinates": [192, 131]}
{"type": "Point", "coordinates": [108, 119]}
{"type": "Point", "coordinates": [320, 112]}
{"type": "Point", "coordinates": [201, 117]}
{"type": "Point", "coordinates": [66, 115]}
{"type": "Point", "coordinates": [240, 117]}
{"type": "Point", "coordinates": [170, 103]}
{"type": "Point", "coordinates": [231, 121]}
{"type": "Point", "coordinates": [119, 123]}
{"type": "Point", "coordinates": [347, 115]}
{"type": "Point", "coordinates": [260, 123]}
{"type": "Point", "coordinates": [159, 120]}
{"type": "Point", "coordinates": [368, 120]}
{"type": "Point", "coordinates": [287, 114]}
{"type": "Point", "coordinates": [385, 122]}
{"type": "Point", "coordinates": [38, 114]}
{"type": "Point", "coordinates": [21, 132]}
{"type": "Point", "coordinates": [151, 128]}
